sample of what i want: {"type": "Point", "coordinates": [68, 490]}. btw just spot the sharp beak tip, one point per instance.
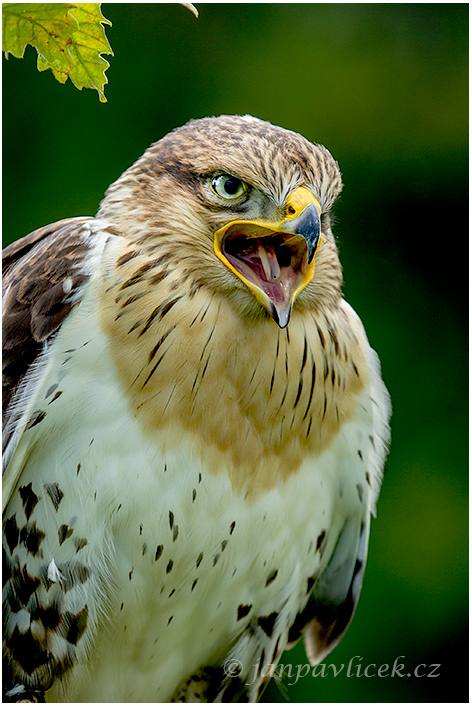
{"type": "Point", "coordinates": [281, 317]}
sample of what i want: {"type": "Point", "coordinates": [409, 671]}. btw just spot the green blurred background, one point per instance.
{"type": "Point", "coordinates": [384, 87]}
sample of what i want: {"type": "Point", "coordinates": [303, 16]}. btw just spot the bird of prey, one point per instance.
{"type": "Point", "coordinates": [195, 427]}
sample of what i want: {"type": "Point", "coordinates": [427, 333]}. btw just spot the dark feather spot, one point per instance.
{"type": "Point", "coordinates": [153, 370]}
{"type": "Point", "coordinates": [199, 559]}
{"type": "Point", "coordinates": [360, 490]}
{"type": "Point", "coordinates": [310, 582]}
{"type": "Point", "coordinates": [80, 573]}
{"type": "Point", "coordinates": [300, 388]}
{"type": "Point", "coordinates": [175, 533]}
{"type": "Point", "coordinates": [159, 277]}
{"type": "Point", "coordinates": [194, 584]}
{"type": "Point", "coordinates": [324, 406]}
{"type": "Point", "coordinates": [137, 276]}
{"type": "Point", "coordinates": [360, 454]}
{"type": "Point", "coordinates": [271, 577]}
{"type": "Point", "coordinates": [77, 625]}
{"type": "Point", "coordinates": [169, 567]}
{"type": "Point", "coordinates": [171, 519]}
{"type": "Point", "coordinates": [159, 313]}
{"type": "Point", "coordinates": [312, 389]}
{"type": "Point", "coordinates": [267, 623]}
{"type": "Point", "coordinates": [27, 651]}
{"type": "Point", "coordinates": [31, 537]}
{"type": "Point", "coordinates": [37, 417]}
{"type": "Point", "coordinates": [56, 396]}
{"type": "Point", "coordinates": [243, 610]}
{"type": "Point", "coordinates": [159, 551]}
{"type": "Point", "coordinates": [326, 368]}
{"type": "Point", "coordinates": [333, 338]}
{"type": "Point", "coordinates": [80, 543]}
{"type": "Point", "coordinates": [23, 584]}
{"type": "Point", "coordinates": [29, 499]}
{"type": "Point", "coordinates": [320, 540]}
{"type": "Point", "coordinates": [64, 532]}
{"type": "Point", "coordinates": [49, 616]}
{"type": "Point", "coordinates": [10, 599]}
{"type": "Point", "coordinates": [160, 342]}
{"type": "Point", "coordinates": [55, 493]}
{"type": "Point", "coordinates": [126, 257]}
{"type": "Point", "coordinates": [231, 529]}
{"type": "Point", "coordinates": [51, 390]}
{"type": "Point", "coordinates": [12, 533]}
{"type": "Point", "coordinates": [63, 665]}
{"type": "Point", "coordinates": [310, 422]}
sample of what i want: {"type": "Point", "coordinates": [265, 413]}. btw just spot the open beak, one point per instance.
{"type": "Point", "coordinates": [276, 260]}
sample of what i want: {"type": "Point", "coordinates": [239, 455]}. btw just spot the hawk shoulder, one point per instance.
{"type": "Point", "coordinates": [44, 275]}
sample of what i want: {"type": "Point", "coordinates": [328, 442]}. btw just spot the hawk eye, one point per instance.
{"type": "Point", "coordinates": [228, 187]}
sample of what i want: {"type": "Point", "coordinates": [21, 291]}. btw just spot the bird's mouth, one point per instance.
{"type": "Point", "coordinates": [275, 261]}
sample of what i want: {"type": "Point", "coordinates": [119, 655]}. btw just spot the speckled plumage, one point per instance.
{"type": "Point", "coordinates": [187, 482]}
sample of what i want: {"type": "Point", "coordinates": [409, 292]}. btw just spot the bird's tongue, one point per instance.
{"type": "Point", "coordinates": [269, 262]}
{"type": "Point", "coordinates": [275, 263]}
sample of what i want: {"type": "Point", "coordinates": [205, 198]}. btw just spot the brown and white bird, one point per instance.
{"type": "Point", "coordinates": [195, 427]}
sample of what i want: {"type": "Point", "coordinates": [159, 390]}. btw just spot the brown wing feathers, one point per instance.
{"type": "Point", "coordinates": [40, 277]}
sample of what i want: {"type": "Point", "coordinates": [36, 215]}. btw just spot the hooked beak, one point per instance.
{"type": "Point", "coordinates": [276, 260]}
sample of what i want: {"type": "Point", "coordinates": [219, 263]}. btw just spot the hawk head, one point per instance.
{"type": "Point", "coordinates": [239, 206]}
